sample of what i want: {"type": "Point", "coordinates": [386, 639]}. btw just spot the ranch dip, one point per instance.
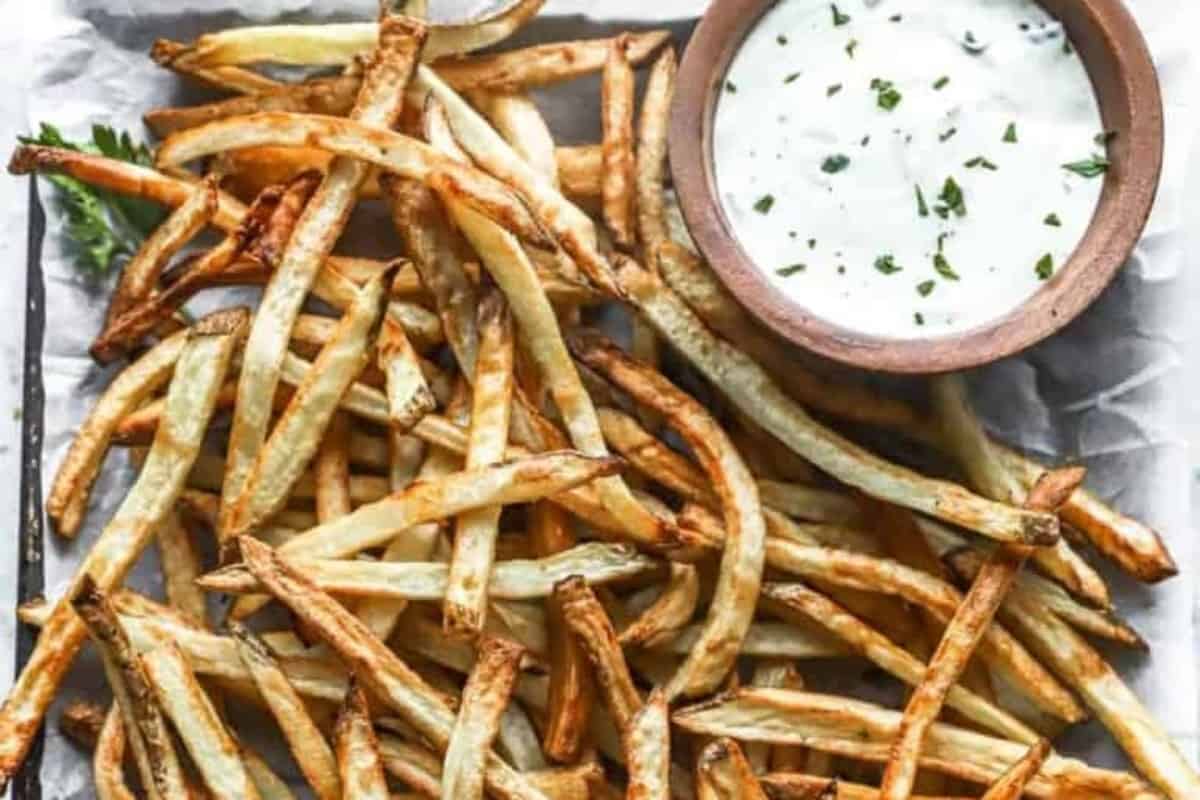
{"type": "Point", "coordinates": [908, 168]}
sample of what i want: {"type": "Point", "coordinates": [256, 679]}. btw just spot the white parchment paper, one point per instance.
{"type": "Point", "coordinates": [1106, 390]}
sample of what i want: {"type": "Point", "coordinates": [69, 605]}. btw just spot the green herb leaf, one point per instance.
{"type": "Point", "coordinates": [790, 270]}
{"type": "Point", "coordinates": [887, 264]}
{"type": "Point", "coordinates": [1088, 168]}
{"type": "Point", "coordinates": [1053, 221]}
{"type": "Point", "coordinates": [922, 206]}
{"type": "Point", "coordinates": [941, 82]}
{"type": "Point", "coordinates": [851, 46]}
{"type": "Point", "coordinates": [948, 135]}
{"type": "Point", "coordinates": [764, 203]}
{"type": "Point", "coordinates": [886, 97]}
{"type": "Point", "coordinates": [924, 288]}
{"type": "Point", "coordinates": [1010, 133]}
{"type": "Point", "coordinates": [952, 198]}
{"type": "Point", "coordinates": [791, 77]}
{"type": "Point", "coordinates": [980, 161]}
{"type": "Point", "coordinates": [835, 163]}
{"type": "Point", "coordinates": [943, 268]}
{"type": "Point", "coordinates": [833, 89]}
{"type": "Point", "coordinates": [839, 18]}
{"type": "Point", "coordinates": [1044, 267]}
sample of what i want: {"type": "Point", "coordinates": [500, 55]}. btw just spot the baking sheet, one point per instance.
{"type": "Point", "coordinates": [1104, 391]}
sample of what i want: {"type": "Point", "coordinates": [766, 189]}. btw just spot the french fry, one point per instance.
{"type": "Point", "coordinates": [737, 586]}
{"type": "Point", "coordinates": [312, 753]}
{"type": "Point", "coordinates": [669, 613]}
{"type": "Point", "coordinates": [864, 731]}
{"type": "Point", "coordinates": [750, 388]}
{"type": "Point", "coordinates": [766, 640]}
{"type": "Point", "coordinates": [359, 762]}
{"type": "Point", "coordinates": [269, 785]}
{"type": "Point", "coordinates": [409, 396]}
{"type": "Point", "coordinates": [783, 785]}
{"type": "Point", "coordinates": [1012, 784]}
{"type": "Point", "coordinates": [199, 373]}
{"type": "Point", "coordinates": [580, 169]}
{"type": "Point", "coordinates": [542, 65]}
{"type": "Point", "coordinates": [333, 96]}
{"type": "Point", "coordinates": [234, 79]}
{"type": "Point", "coordinates": [379, 668]}
{"type": "Point", "coordinates": [616, 115]}
{"type": "Point", "coordinates": [213, 750]}
{"type": "Point", "coordinates": [517, 739]}
{"type": "Point", "coordinates": [379, 102]}
{"type": "Point", "coordinates": [484, 697]}
{"type": "Point", "coordinates": [108, 759]}
{"type": "Point", "coordinates": [464, 606]}
{"type": "Point", "coordinates": [331, 470]}
{"type": "Point", "coordinates": [146, 732]}
{"type": "Point", "coordinates": [516, 117]}
{"type": "Point", "coordinates": [649, 750]}
{"type": "Point", "coordinates": [652, 156]}
{"type": "Point", "coordinates": [723, 773]}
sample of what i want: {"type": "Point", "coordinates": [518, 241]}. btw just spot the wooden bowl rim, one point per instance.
{"type": "Point", "coordinates": [1125, 81]}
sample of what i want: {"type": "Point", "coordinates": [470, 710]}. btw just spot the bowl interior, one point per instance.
{"type": "Point", "coordinates": [1126, 85]}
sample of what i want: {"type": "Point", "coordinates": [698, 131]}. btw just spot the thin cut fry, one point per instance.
{"type": "Point", "coordinates": [789, 785]}
{"type": "Point", "coordinates": [580, 170]}
{"type": "Point", "coordinates": [409, 396]}
{"type": "Point", "coordinates": [233, 79]}
{"type": "Point", "coordinates": [359, 762]}
{"type": "Point", "coordinates": [333, 96]}
{"type": "Point", "coordinates": [669, 613]}
{"type": "Point", "coordinates": [331, 470]}
{"type": "Point", "coordinates": [516, 117]}
{"type": "Point", "coordinates": [312, 753]}
{"type": "Point", "coordinates": [768, 640]}
{"type": "Point", "coordinates": [616, 115]}
{"type": "Point", "coordinates": [652, 156]}
{"type": "Point", "coordinates": [753, 391]}
{"type": "Point", "coordinates": [190, 399]}
{"type": "Point", "coordinates": [737, 586]}
{"type": "Point", "coordinates": [723, 773]}
{"type": "Point", "coordinates": [108, 760]}
{"type": "Point", "coordinates": [199, 726]}
{"type": "Point", "coordinates": [648, 760]}
{"type": "Point", "coordinates": [1012, 784]}
{"type": "Point", "coordinates": [484, 697]}
{"type": "Point", "coordinates": [465, 605]}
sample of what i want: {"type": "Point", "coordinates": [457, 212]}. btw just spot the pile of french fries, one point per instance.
{"type": "Point", "coordinates": [517, 559]}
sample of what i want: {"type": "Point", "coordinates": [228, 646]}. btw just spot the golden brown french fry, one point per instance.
{"type": "Point", "coordinates": [580, 168]}
{"type": "Point", "coordinates": [652, 156]}
{"type": "Point", "coordinates": [752, 390]}
{"type": "Point", "coordinates": [723, 773]}
{"type": "Point", "coordinates": [594, 631]}
{"type": "Point", "coordinates": [389, 679]}
{"type": "Point", "coordinates": [789, 785]}
{"type": "Point", "coordinates": [669, 613]}
{"type": "Point", "coordinates": [213, 750]}
{"type": "Point", "coordinates": [269, 785]}
{"type": "Point", "coordinates": [648, 757]}
{"type": "Point", "coordinates": [108, 759]}
{"type": "Point", "coordinates": [487, 692]}
{"type": "Point", "coordinates": [312, 753]}
{"type": "Point", "coordinates": [616, 115]}
{"type": "Point", "coordinates": [864, 731]}
{"type": "Point", "coordinates": [146, 729]}
{"type": "Point", "coordinates": [379, 103]}
{"type": "Point", "coordinates": [359, 762]}
{"type": "Point", "coordinates": [409, 396]}
{"type": "Point", "coordinates": [542, 65]}
{"type": "Point", "coordinates": [199, 373]}
{"type": "Point", "coordinates": [1012, 784]}
{"type": "Point", "coordinates": [234, 79]}
{"type": "Point", "coordinates": [516, 117]}
{"type": "Point", "coordinates": [334, 96]}
{"type": "Point", "coordinates": [465, 605]}
{"type": "Point", "coordinates": [331, 470]}
{"type": "Point", "coordinates": [736, 591]}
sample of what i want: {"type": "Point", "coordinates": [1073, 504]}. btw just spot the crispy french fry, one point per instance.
{"type": "Point", "coordinates": [379, 102]}
{"type": "Point", "coordinates": [146, 732]}
{"type": "Point", "coordinates": [580, 168]}
{"type": "Point", "coordinates": [648, 759]}
{"type": "Point", "coordinates": [332, 96]}
{"type": "Point", "coordinates": [786, 785]}
{"type": "Point", "coordinates": [1012, 784]}
{"type": "Point", "coordinates": [484, 697]}
{"type": "Point", "coordinates": [182, 698]}
{"type": "Point", "coordinates": [516, 117]}
{"type": "Point", "coordinates": [409, 396]}
{"type": "Point", "coordinates": [864, 731]}
{"type": "Point", "coordinates": [652, 156]}
{"type": "Point", "coordinates": [108, 759]}
{"type": "Point", "coordinates": [616, 115]}
{"type": "Point", "coordinates": [312, 753]}
{"type": "Point", "coordinates": [723, 773]}
{"type": "Point", "coordinates": [359, 762]}
{"type": "Point", "coordinates": [331, 470]}
{"type": "Point", "coordinates": [736, 591]}
{"type": "Point", "coordinates": [769, 640]}
{"type": "Point", "coordinates": [464, 607]}
{"type": "Point", "coordinates": [269, 785]}
{"type": "Point", "coordinates": [199, 373]}
{"type": "Point", "coordinates": [234, 79]}
{"type": "Point", "coordinates": [753, 391]}
{"type": "Point", "coordinates": [669, 613]}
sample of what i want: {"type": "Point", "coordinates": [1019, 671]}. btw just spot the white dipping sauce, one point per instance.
{"type": "Point", "coordinates": [819, 178]}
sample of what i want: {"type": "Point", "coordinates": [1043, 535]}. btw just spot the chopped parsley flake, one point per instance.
{"type": "Point", "coordinates": [887, 264]}
{"type": "Point", "coordinates": [835, 163]}
{"type": "Point", "coordinates": [887, 97]}
{"type": "Point", "coordinates": [980, 161]}
{"type": "Point", "coordinates": [839, 18]}
{"type": "Point", "coordinates": [918, 318]}
{"type": "Point", "coordinates": [841, 269]}
{"type": "Point", "coordinates": [833, 89]}
{"type": "Point", "coordinates": [948, 135]}
{"type": "Point", "coordinates": [941, 82]}
{"type": "Point", "coordinates": [731, 87]}
{"type": "Point", "coordinates": [764, 203]}
{"type": "Point", "coordinates": [895, 18]}
{"type": "Point", "coordinates": [922, 206]}
{"type": "Point", "coordinates": [1010, 133]}
{"type": "Point", "coordinates": [812, 243]}
{"type": "Point", "coordinates": [924, 288]}
{"type": "Point", "coordinates": [972, 45]}
{"type": "Point", "coordinates": [792, 269]}
{"type": "Point", "coordinates": [1088, 168]}
{"type": "Point", "coordinates": [952, 200]}
{"type": "Point", "coordinates": [865, 141]}
{"type": "Point", "coordinates": [851, 46]}
{"type": "Point", "coordinates": [791, 77]}
{"type": "Point", "coordinates": [1053, 221]}
{"type": "Point", "coordinates": [781, 39]}
{"type": "Point", "coordinates": [943, 268]}
{"type": "Point", "coordinates": [1045, 267]}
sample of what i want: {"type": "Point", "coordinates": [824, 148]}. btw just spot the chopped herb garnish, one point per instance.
{"type": "Point", "coordinates": [839, 18]}
{"type": "Point", "coordinates": [1045, 267]}
{"type": "Point", "coordinates": [895, 18]}
{"type": "Point", "coordinates": [865, 141]}
{"type": "Point", "coordinates": [980, 161]}
{"type": "Point", "coordinates": [833, 89]}
{"type": "Point", "coordinates": [1010, 133]}
{"type": "Point", "coordinates": [941, 82]}
{"type": "Point", "coordinates": [788, 271]}
{"type": "Point", "coordinates": [887, 264]}
{"type": "Point", "coordinates": [1089, 167]}
{"type": "Point", "coordinates": [948, 135]}
{"type": "Point", "coordinates": [918, 318]}
{"type": "Point", "coordinates": [835, 163]}
{"type": "Point", "coordinates": [1066, 46]}
{"type": "Point", "coordinates": [812, 243]}
{"type": "Point", "coordinates": [791, 77]}
{"type": "Point", "coordinates": [731, 87]}
{"type": "Point", "coordinates": [764, 203]}
{"type": "Point", "coordinates": [943, 268]}
{"type": "Point", "coordinates": [781, 39]}
{"type": "Point", "coordinates": [941, 241]}
{"type": "Point", "coordinates": [1104, 137]}
{"type": "Point", "coordinates": [925, 287]}
{"type": "Point", "coordinates": [952, 199]}
{"type": "Point", "coordinates": [1053, 221]}
{"type": "Point", "coordinates": [922, 206]}
{"type": "Point", "coordinates": [887, 97]}
{"type": "Point", "coordinates": [972, 45]}
{"type": "Point", "coordinates": [841, 269]}
{"type": "Point", "coordinates": [851, 46]}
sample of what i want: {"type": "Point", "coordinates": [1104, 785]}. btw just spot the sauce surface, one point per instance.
{"type": "Point", "coordinates": [908, 168]}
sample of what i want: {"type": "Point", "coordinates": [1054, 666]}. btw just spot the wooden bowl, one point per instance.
{"type": "Point", "coordinates": [1126, 85]}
